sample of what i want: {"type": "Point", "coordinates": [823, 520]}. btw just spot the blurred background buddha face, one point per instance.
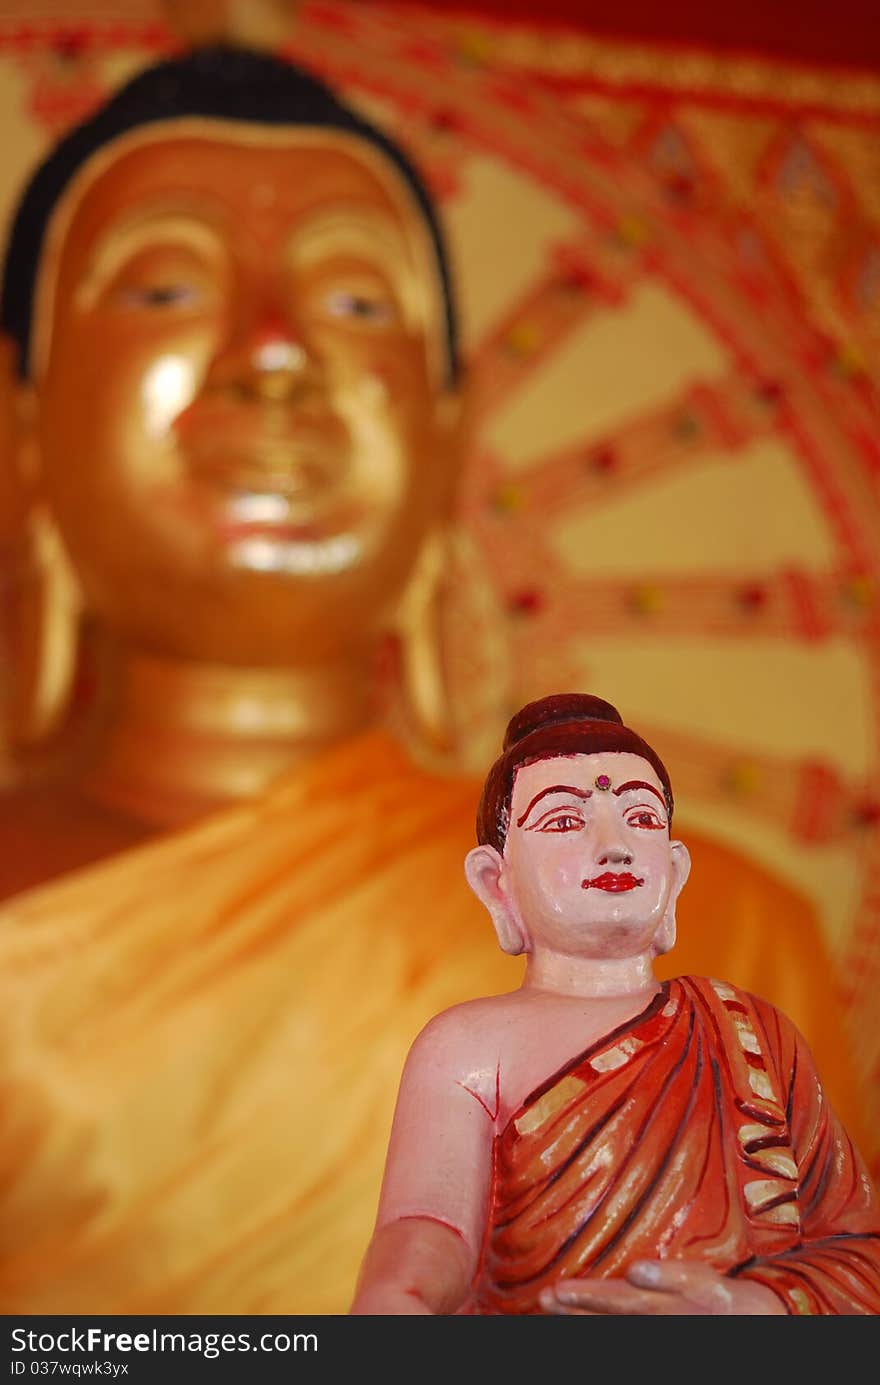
{"type": "Point", "coordinates": [240, 372]}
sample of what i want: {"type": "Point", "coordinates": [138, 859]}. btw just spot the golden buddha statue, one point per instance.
{"type": "Point", "coordinates": [239, 399]}
{"type": "Point", "coordinates": [241, 379]}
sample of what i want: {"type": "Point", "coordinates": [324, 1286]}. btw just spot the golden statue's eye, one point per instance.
{"type": "Point", "coordinates": [360, 307]}
{"type": "Point", "coordinates": [170, 295]}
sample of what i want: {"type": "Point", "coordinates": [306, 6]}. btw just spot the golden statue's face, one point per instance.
{"type": "Point", "coordinates": [239, 363]}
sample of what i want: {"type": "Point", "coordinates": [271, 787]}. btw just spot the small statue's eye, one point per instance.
{"type": "Point", "coordinates": [646, 818]}
{"type": "Point", "coordinates": [564, 822]}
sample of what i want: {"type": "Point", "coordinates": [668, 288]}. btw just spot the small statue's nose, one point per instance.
{"type": "Point", "coordinates": [615, 856]}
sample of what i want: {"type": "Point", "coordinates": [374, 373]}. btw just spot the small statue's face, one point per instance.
{"type": "Point", "coordinates": [588, 858]}
{"type": "Point", "coordinates": [241, 410]}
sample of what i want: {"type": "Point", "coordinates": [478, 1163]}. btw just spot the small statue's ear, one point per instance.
{"type": "Point", "coordinates": [664, 938]}
{"type": "Point", "coordinates": [681, 867]}
{"type": "Point", "coordinates": [484, 868]}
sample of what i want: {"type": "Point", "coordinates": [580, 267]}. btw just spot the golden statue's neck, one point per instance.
{"type": "Point", "coordinates": [181, 738]}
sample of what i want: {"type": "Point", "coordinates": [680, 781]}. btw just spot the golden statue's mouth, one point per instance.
{"type": "Point", "coordinates": [279, 518]}
{"type": "Point", "coordinates": [286, 554]}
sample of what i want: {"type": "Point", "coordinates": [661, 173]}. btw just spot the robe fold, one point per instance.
{"type": "Point", "coordinates": [698, 1130]}
{"type": "Point", "coordinates": [201, 1043]}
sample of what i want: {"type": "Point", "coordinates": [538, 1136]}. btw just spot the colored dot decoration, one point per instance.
{"type": "Point", "coordinates": [686, 426]}
{"type": "Point", "coordinates": [525, 603]}
{"type": "Point", "coordinates": [848, 362]}
{"type": "Point", "coordinates": [860, 592]}
{"type": "Point", "coordinates": [743, 778]}
{"type": "Point", "coordinates": [646, 601]}
{"type": "Point", "coordinates": [632, 231]}
{"type": "Point", "coordinates": [770, 393]}
{"type": "Point", "coordinates": [603, 460]}
{"type": "Point", "coordinates": [867, 813]}
{"type": "Point", "coordinates": [523, 340]}
{"type": "Point", "coordinates": [507, 500]}
{"type": "Point", "coordinates": [753, 597]}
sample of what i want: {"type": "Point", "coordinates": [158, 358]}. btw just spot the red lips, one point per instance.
{"type": "Point", "coordinates": [613, 882]}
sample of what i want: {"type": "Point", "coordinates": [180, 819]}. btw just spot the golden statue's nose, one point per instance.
{"type": "Point", "coordinates": [278, 367]}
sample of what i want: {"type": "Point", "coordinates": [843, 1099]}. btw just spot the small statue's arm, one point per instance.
{"type": "Point", "coordinates": [423, 1254]}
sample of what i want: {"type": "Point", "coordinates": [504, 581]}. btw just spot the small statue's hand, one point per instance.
{"type": "Point", "coordinates": [669, 1288]}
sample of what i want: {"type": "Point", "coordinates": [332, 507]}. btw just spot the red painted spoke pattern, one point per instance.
{"type": "Point", "coordinates": [706, 419]}
{"type": "Point", "coordinates": [807, 798]}
{"type": "Point", "coordinates": [573, 287]}
{"type": "Point", "coordinates": [790, 604]}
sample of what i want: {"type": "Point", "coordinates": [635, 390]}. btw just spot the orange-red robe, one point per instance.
{"type": "Point", "coordinates": [698, 1130]}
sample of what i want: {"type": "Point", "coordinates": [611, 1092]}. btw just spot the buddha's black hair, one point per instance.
{"type": "Point", "coordinates": [560, 725]}
{"type": "Point", "coordinates": [217, 82]}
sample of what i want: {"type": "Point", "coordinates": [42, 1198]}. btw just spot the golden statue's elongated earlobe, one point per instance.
{"type": "Point", "coordinates": [454, 667]}
{"type": "Point", "coordinates": [451, 687]}
{"type": "Point", "coordinates": [38, 600]}
{"type": "Point", "coordinates": [47, 607]}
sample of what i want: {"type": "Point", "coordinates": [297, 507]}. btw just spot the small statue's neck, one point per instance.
{"type": "Point", "coordinates": [179, 738]}
{"type": "Point", "coordinates": [590, 977]}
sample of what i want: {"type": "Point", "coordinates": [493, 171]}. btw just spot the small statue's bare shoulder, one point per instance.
{"type": "Point", "coordinates": [464, 1044]}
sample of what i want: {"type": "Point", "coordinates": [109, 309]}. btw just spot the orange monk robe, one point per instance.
{"type": "Point", "coordinates": [201, 1040]}
{"type": "Point", "coordinates": [697, 1130]}
{"type": "Point", "coordinates": [738, 921]}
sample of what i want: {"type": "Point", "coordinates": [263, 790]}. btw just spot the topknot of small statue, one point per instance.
{"type": "Point", "coordinates": [557, 710]}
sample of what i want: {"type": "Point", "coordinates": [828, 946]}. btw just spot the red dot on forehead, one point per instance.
{"type": "Point", "coordinates": [603, 781]}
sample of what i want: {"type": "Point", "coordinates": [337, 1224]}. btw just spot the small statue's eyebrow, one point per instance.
{"type": "Point", "coordinates": [639, 784]}
{"type": "Point", "coordinates": [554, 788]}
